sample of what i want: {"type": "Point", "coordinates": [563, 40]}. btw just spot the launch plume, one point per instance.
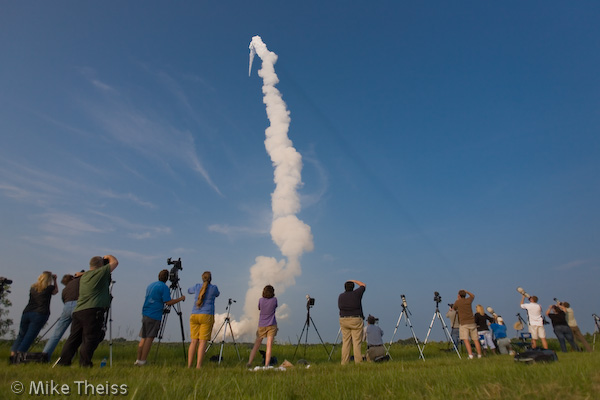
{"type": "Point", "coordinates": [290, 234]}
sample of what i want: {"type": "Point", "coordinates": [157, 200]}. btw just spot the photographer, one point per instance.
{"type": "Point", "coordinates": [87, 328]}
{"type": "Point", "coordinates": [373, 336]}
{"type": "Point", "coordinates": [351, 320]}
{"type": "Point", "coordinates": [157, 296]}
{"type": "Point", "coordinates": [481, 320]}
{"type": "Point", "coordinates": [566, 307]}
{"type": "Point", "coordinates": [452, 315]}
{"type": "Point", "coordinates": [267, 324]}
{"type": "Point", "coordinates": [69, 297]}
{"type": "Point", "coordinates": [536, 321]}
{"type": "Point", "coordinates": [468, 328]}
{"type": "Point", "coordinates": [202, 318]}
{"type": "Point", "coordinates": [35, 314]}
{"type": "Point", "coordinates": [561, 328]}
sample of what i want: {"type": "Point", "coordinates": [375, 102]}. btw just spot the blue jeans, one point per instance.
{"type": "Point", "coordinates": [31, 324]}
{"type": "Point", "coordinates": [563, 332]}
{"type": "Point", "coordinates": [61, 326]}
{"type": "Point", "coordinates": [455, 337]}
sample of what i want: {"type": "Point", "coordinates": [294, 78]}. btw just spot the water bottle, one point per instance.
{"type": "Point", "coordinates": [103, 363]}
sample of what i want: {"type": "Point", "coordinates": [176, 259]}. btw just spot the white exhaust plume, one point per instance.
{"type": "Point", "coordinates": [292, 236]}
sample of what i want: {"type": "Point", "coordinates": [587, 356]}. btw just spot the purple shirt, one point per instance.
{"type": "Point", "coordinates": [267, 311]}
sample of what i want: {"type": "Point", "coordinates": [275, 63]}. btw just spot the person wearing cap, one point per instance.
{"type": "Point", "coordinates": [351, 320]}
{"type": "Point", "coordinates": [499, 329]}
{"type": "Point", "coordinates": [374, 338]}
{"type": "Point", "coordinates": [69, 297]}
{"type": "Point", "coordinates": [536, 321]}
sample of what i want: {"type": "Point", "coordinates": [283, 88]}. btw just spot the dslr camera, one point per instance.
{"type": "Point", "coordinates": [436, 297]}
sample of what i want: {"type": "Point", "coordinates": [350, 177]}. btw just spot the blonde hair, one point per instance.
{"type": "Point", "coordinates": [43, 281]}
{"type": "Point", "coordinates": [206, 278]}
{"type": "Point", "coordinates": [479, 309]}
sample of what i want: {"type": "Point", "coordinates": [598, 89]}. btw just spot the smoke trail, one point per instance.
{"type": "Point", "coordinates": [291, 235]}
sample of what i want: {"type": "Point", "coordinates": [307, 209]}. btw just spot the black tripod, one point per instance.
{"type": "Point", "coordinates": [438, 299]}
{"type": "Point", "coordinates": [596, 330]}
{"type": "Point", "coordinates": [310, 302]}
{"type": "Point", "coordinates": [175, 294]}
{"type": "Point", "coordinates": [405, 312]}
{"type": "Point", "coordinates": [224, 325]}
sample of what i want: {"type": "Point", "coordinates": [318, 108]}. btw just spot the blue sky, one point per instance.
{"type": "Point", "coordinates": [444, 146]}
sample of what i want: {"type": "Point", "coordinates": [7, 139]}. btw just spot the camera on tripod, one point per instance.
{"type": "Point", "coordinates": [437, 298]}
{"type": "Point", "coordinates": [174, 273]}
{"type": "Point", "coordinates": [310, 301]}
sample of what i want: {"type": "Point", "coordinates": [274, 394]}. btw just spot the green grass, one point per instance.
{"type": "Point", "coordinates": [441, 376]}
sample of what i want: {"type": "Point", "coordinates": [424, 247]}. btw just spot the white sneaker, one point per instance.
{"type": "Point", "coordinates": [478, 355]}
{"type": "Point", "coordinates": [470, 356]}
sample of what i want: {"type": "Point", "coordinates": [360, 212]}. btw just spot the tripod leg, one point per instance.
{"type": "Point", "coordinates": [336, 341]}
{"type": "Point", "coordinates": [448, 335]}
{"type": "Point", "coordinates": [414, 335]}
{"type": "Point", "coordinates": [300, 339]}
{"type": "Point", "coordinates": [234, 343]}
{"type": "Point", "coordinates": [394, 335]}
{"type": "Point", "coordinates": [318, 334]}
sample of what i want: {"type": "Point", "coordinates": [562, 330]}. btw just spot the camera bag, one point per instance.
{"type": "Point", "coordinates": [536, 355]}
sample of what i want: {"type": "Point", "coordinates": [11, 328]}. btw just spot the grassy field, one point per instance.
{"type": "Point", "coordinates": [441, 376]}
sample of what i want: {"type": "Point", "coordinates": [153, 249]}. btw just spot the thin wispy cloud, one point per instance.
{"type": "Point", "coordinates": [145, 132]}
{"type": "Point", "coordinates": [126, 196]}
{"type": "Point", "coordinates": [135, 230]}
{"type": "Point", "coordinates": [572, 265]}
{"type": "Point", "coordinates": [236, 230]}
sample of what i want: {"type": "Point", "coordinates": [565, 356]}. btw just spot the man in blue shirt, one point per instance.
{"type": "Point", "coordinates": [157, 296]}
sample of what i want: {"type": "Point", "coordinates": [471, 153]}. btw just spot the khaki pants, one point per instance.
{"type": "Point", "coordinates": [577, 335]}
{"type": "Point", "coordinates": [352, 332]}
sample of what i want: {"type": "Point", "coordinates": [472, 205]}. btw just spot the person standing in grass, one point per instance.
{"type": "Point", "coordinates": [267, 324]}
{"type": "Point", "coordinates": [35, 314]}
{"type": "Point", "coordinates": [202, 318]}
{"type": "Point", "coordinates": [566, 307]}
{"type": "Point", "coordinates": [536, 321]}
{"type": "Point", "coordinates": [69, 297]}
{"type": "Point", "coordinates": [452, 315]}
{"type": "Point", "coordinates": [157, 296]}
{"type": "Point", "coordinates": [468, 328]}
{"type": "Point", "coordinates": [561, 327]}
{"type": "Point", "coordinates": [87, 327]}
{"type": "Point", "coordinates": [481, 320]}
{"type": "Point", "coordinates": [351, 320]}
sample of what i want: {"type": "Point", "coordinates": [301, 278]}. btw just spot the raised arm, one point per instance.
{"type": "Point", "coordinates": [112, 261]}
{"type": "Point", "coordinates": [359, 283]}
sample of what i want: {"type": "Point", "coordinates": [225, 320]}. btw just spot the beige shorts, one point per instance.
{"type": "Point", "coordinates": [469, 330]}
{"type": "Point", "coordinates": [537, 332]}
{"type": "Point", "coordinates": [266, 331]}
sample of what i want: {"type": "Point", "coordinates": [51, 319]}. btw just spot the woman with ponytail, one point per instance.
{"type": "Point", "coordinates": [202, 318]}
{"type": "Point", "coordinates": [35, 314]}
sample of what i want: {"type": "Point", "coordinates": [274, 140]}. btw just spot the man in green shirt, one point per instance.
{"type": "Point", "coordinates": [87, 328]}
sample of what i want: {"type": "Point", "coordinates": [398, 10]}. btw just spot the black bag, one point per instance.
{"type": "Point", "coordinates": [536, 355]}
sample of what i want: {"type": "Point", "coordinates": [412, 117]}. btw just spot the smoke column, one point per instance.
{"type": "Point", "coordinates": [291, 235]}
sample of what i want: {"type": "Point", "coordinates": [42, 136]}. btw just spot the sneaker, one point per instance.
{"type": "Point", "coordinates": [470, 356]}
{"type": "Point", "coordinates": [140, 363]}
{"type": "Point", "coordinates": [478, 355]}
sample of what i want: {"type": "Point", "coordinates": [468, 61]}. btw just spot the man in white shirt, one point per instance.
{"type": "Point", "coordinates": [536, 321]}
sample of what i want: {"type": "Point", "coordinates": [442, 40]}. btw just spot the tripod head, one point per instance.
{"type": "Point", "coordinates": [437, 298]}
